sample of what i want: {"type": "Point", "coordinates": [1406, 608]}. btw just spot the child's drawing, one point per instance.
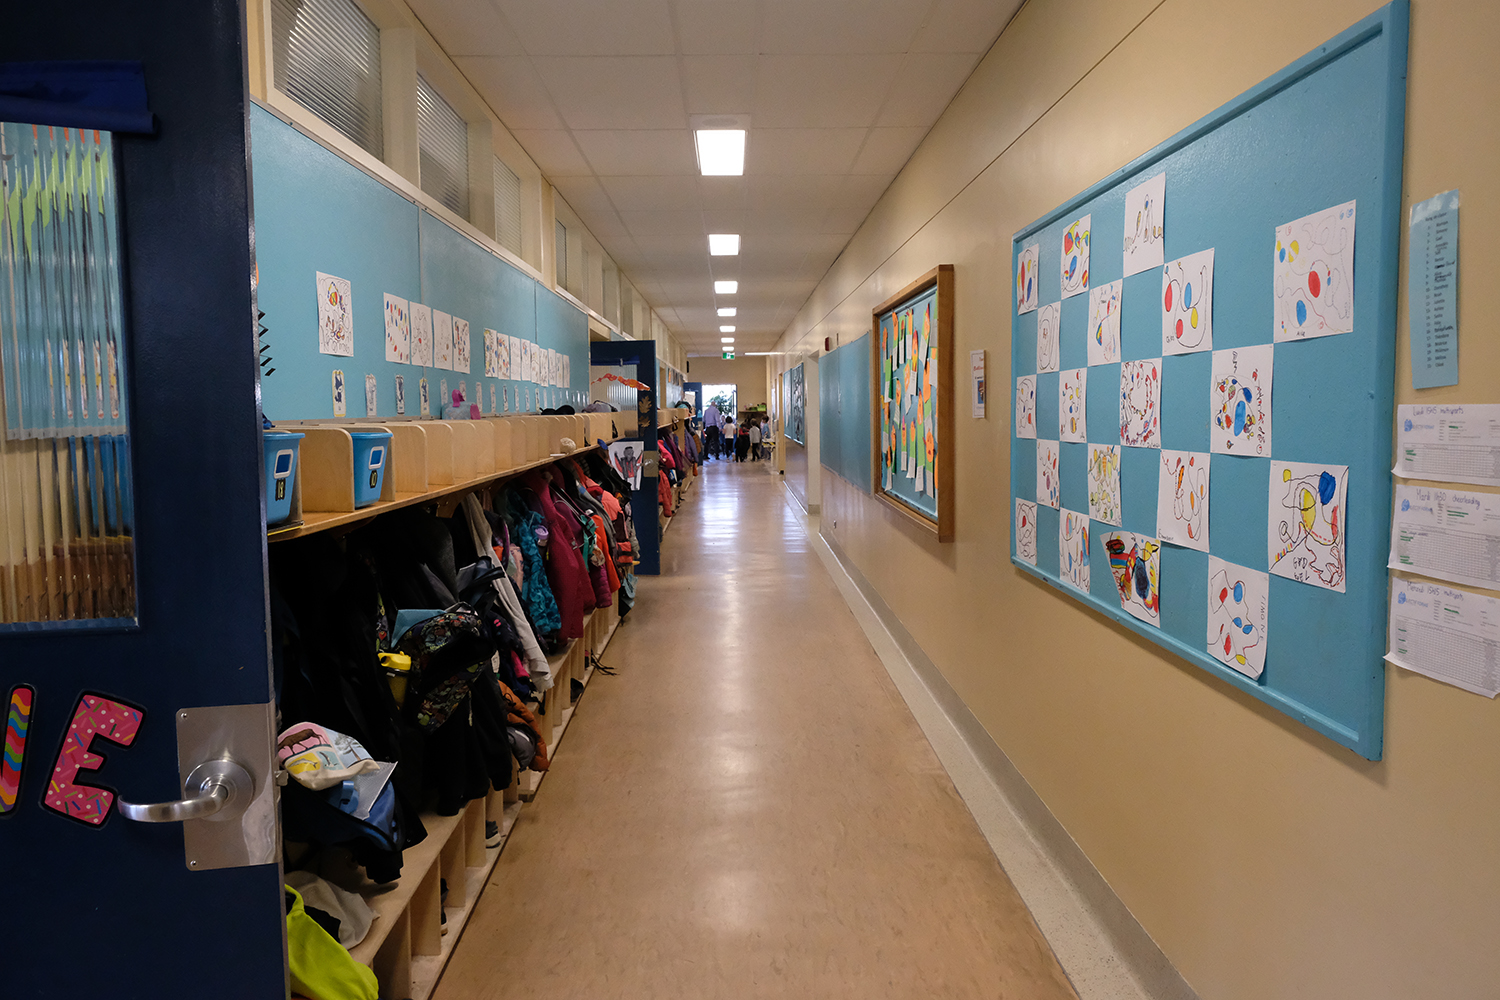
{"type": "Point", "coordinates": [1073, 549]}
{"type": "Point", "coordinates": [421, 334]}
{"type": "Point", "coordinates": [1239, 612]}
{"type": "Point", "coordinates": [1026, 406]}
{"type": "Point", "coordinates": [1048, 319]}
{"type": "Point", "coordinates": [460, 344]}
{"type": "Point", "coordinates": [1026, 531]}
{"type": "Point", "coordinates": [340, 397]}
{"type": "Point", "coordinates": [1104, 482]}
{"type": "Point", "coordinates": [1135, 563]}
{"type": "Point", "coordinates": [397, 329]}
{"type": "Point", "coordinates": [1187, 304]}
{"type": "Point", "coordinates": [1072, 398]}
{"type": "Point", "coordinates": [1145, 233]}
{"type": "Point", "coordinates": [1308, 515]}
{"type": "Point", "coordinates": [442, 341]}
{"type": "Point", "coordinates": [1240, 401]}
{"type": "Point", "coordinates": [510, 359]}
{"type": "Point", "coordinates": [1048, 486]}
{"type": "Point", "coordinates": [1075, 257]}
{"type": "Point", "coordinates": [1026, 278]}
{"type": "Point", "coordinates": [400, 395]}
{"type": "Point", "coordinates": [335, 316]}
{"type": "Point", "coordinates": [1140, 403]}
{"type": "Point", "coordinates": [1104, 323]}
{"type": "Point", "coordinates": [1314, 283]}
{"type": "Point", "coordinates": [491, 355]}
{"type": "Point", "coordinates": [1182, 499]}
{"type": "Point", "coordinates": [371, 395]}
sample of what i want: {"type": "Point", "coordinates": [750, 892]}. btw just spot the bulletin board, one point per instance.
{"type": "Point", "coordinates": [796, 411]}
{"type": "Point", "coordinates": [1285, 382]}
{"type": "Point", "coordinates": [844, 412]}
{"type": "Point", "coordinates": [911, 350]}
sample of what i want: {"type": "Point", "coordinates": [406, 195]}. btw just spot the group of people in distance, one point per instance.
{"type": "Point", "coordinates": [723, 437]}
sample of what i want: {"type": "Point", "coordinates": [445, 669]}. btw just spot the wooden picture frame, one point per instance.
{"type": "Point", "coordinates": [925, 498]}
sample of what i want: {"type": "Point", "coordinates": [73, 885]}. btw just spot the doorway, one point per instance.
{"type": "Point", "coordinates": [726, 397]}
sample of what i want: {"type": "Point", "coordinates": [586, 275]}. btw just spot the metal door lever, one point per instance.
{"type": "Point", "coordinates": [217, 789]}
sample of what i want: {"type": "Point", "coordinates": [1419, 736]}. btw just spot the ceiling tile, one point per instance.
{"type": "Point", "coordinates": [845, 218]}
{"type": "Point", "coordinates": [719, 27]}
{"type": "Point", "coordinates": [861, 189]}
{"type": "Point", "coordinates": [849, 91]}
{"type": "Point", "coordinates": [724, 221]}
{"type": "Point", "coordinates": [619, 152]}
{"type": "Point", "coordinates": [512, 89]}
{"type": "Point", "coordinates": [584, 196]}
{"type": "Point", "coordinates": [663, 223]}
{"type": "Point", "coordinates": [718, 85]}
{"type": "Point", "coordinates": [803, 192]}
{"type": "Point", "coordinates": [467, 28]}
{"type": "Point", "coordinates": [886, 150]}
{"type": "Point", "coordinates": [554, 152]}
{"type": "Point", "coordinates": [840, 26]}
{"type": "Point", "coordinates": [630, 92]}
{"type": "Point", "coordinates": [591, 27]}
{"type": "Point", "coordinates": [646, 194]}
{"type": "Point", "coordinates": [924, 86]}
{"type": "Point", "coordinates": [727, 194]}
{"type": "Point", "coordinates": [964, 25]}
{"type": "Point", "coordinates": [802, 150]}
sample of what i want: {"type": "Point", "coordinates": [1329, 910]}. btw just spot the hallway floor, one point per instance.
{"type": "Point", "coordinates": [747, 809]}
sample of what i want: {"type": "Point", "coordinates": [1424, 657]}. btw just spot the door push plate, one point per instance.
{"type": "Point", "coordinates": [243, 734]}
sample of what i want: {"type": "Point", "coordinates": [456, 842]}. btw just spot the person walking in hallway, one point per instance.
{"type": "Point", "coordinates": [712, 421]}
{"type": "Point", "coordinates": [742, 440]}
{"type": "Point", "coordinates": [726, 438]}
{"type": "Point", "coordinates": [754, 436]}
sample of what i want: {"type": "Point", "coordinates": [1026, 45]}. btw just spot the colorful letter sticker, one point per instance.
{"type": "Point", "coordinates": [94, 715]}
{"type": "Point", "coordinates": [17, 725]}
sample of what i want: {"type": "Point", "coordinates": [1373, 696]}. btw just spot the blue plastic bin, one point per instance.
{"type": "Point", "coordinates": [281, 465]}
{"type": "Point", "coordinates": [370, 450]}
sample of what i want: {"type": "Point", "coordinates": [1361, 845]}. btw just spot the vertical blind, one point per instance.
{"type": "Point", "coordinates": [326, 55]}
{"type": "Point", "coordinates": [507, 208]}
{"type": "Point", "coordinates": [443, 145]}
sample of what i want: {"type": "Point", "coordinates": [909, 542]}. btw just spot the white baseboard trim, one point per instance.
{"type": "Point", "coordinates": [1104, 950]}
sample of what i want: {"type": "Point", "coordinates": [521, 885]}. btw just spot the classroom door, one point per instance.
{"type": "Point", "coordinates": [137, 804]}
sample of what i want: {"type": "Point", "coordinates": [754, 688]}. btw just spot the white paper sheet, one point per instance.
{"type": "Point", "coordinates": [335, 316]}
{"type": "Point", "coordinates": [1307, 522]}
{"type": "Point", "coordinates": [1240, 401]}
{"type": "Point", "coordinates": [1075, 257]}
{"type": "Point", "coordinates": [1025, 406]}
{"type": "Point", "coordinates": [442, 341]}
{"type": "Point", "coordinates": [397, 329]}
{"type": "Point", "coordinates": [1073, 549]}
{"type": "Point", "coordinates": [1187, 304]}
{"type": "Point", "coordinates": [1313, 288]}
{"type": "Point", "coordinates": [1447, 534]}
{"type": "Point", "coordinates": [1104, 323]}
{"type": "Point", "coordinates": [1446, 634]}
{"type": "Point", "coordinates": [1104, 483]}
{"type": "Point", "coordinates": [1239, 616]}
{"type": "Point", "coordinates": [1135, 564]}
{"type": "Point", "coordinates": [1026, 531]}
{"type": "Point", "coordinates": [1048, 486]}
{"type": "Point", "coordinates": [421, 335]}
{"type": "Point", "coordinates": [1182, 499]}
{"type": "Point", "coordinates": [1072, 404]}
{"type": "Point", "coordinates": [1140, 403]}
{"type": "Point", "coordinates": [1048, 320]}
{"type": "Point", "coordinates": [1026, 278]}
{"type": "Point", "coordinates": [1453, 443]}
{"type": "Point", "coordinates": [1145, 231]}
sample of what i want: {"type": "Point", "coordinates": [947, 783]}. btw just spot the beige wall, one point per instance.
{"type": "Point", "coordinates": [747, 373]}
{"type": "Point", "coordinates": [1266, 861]}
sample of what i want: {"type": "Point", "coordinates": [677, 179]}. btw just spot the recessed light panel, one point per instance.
{"type": "Point", "coordinates": [726, 340]}
{"type": "Point", "coordinates": [723, 244]}
{"type": "Point", "coordinates": [726, 287]}
{"type": "Point", "coordinates": [727, 311]}
{"type": "Point", "coordinates": [721, 151]}
{"type": "Point", "coordinates": [726, 329]}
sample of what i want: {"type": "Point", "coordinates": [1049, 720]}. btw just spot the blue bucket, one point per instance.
{"type": "Point", "coordinates": [370, 451]}
{"type": "Point", "coordinates": [281, 465]}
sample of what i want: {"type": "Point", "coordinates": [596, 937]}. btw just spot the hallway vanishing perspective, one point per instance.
{"type": "Point", "coordinates": [760, 816]}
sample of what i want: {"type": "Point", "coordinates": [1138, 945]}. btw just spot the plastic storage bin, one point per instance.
{"type": "Point", "coordinates": [370, 451]}
{"type": "Point", "coordinates": [281, 465]}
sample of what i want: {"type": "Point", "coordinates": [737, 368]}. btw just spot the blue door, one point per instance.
{"type": "Point", "coordinates": [137, 809]}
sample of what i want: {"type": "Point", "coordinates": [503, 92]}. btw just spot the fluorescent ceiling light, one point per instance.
{"type": "Point", "coordinates": [727, 311]}
{"type": "Point", "coordinates": [721, 151]}
{"type": "Point", "coordinates": [726, 340]}
{"type": "Point", "coordinates": [726, 329]}
{"type": "Point", "coordinates": [726, 287]}
{"type": "Point", "coordinates": [723, 244]}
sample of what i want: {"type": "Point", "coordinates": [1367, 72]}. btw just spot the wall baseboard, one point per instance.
{"type": "Point", "coordinates": [1112, 955]}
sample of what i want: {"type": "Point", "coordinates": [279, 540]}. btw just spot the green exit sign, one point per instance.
{"type": "Point", "coordinates": [728, 355]}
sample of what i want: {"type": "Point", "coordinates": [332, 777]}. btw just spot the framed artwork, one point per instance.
{"type": "Point", "coordinates": [911, 345]}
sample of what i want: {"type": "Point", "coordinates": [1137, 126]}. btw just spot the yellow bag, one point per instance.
{"type": "Point", "coordinates": [321, 968]}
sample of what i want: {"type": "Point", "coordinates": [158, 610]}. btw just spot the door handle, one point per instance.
{"type": "Point", "coordinates": [216, 789]}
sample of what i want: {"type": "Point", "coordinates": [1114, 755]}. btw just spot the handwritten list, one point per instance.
{"type": "Point", "coordinates": [1433, 291]}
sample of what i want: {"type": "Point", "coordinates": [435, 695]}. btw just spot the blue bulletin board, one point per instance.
{"type": "Point", "coordinates": [1295, 187]}
{"type": "Point", "coordinates": [796, 411]}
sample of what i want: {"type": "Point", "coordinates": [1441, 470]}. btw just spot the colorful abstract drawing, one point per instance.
{"type": "Point", "coordinates": [1026, 406]}
{"type": "Point", "coordinates": [442, 341]}
{"type": "Point", "coordinates": [1145, 232]}
{"type": "Point", "coordinates": [1187, 304]}
{"type": "Point", "coordinates": [1104, 323]}
{"type": "Point", "coordinates": [1240, 401]}
{"type": "Point", "coordinates": [1104, 483]}
{"type": "Point", "coordinates": [18, 727]}
{"type": "Point", "coordinates": [1072, 401]}
{"type": "Point", "coordinates": [1026, 531]}
{"type": "Point", "coordinates": [370, 395]}
{"type": "Point", "coordinates": [1182, 499]}
{"type": "Point", "coordinates": [1048, 322]}
{"type": "Point", "coordinates": [1075, 257]}
{"type": "Point", "coordinates": [421, 334]}
{"type": "Point", "coordinates": [397, 329]}
{"type": "Point", "coordinates": [461, 345]}
{"type": "Point", "coordinates": [1239, 612]}
{"type": "Point", "coordinates": [1073, 549]}
{"type": "Point", "coordinates": [335, 316]}
{"type": "Point", "coordinates": [1026, 263]}
{"type": "Point", "coordinates": [1308, 513]}
{"type": "Point", "coordinates": [1314, 268]}
{"type": "Point", "coordinates": [1048, 485]}
{"type": "Point", "coordinates": [1135, 563]}
{"type": "Point", "coordinates": [93, 716]}
{"type": "Point", "coordinates": [1140, 403]}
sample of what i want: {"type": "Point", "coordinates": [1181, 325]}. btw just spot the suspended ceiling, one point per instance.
{"type": "Point", "coordinates": [600, 93]}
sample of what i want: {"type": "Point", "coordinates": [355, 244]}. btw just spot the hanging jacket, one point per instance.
{"type": "Point", "coordinates": [536, 592]}
{"type": "Point", "coordinates": [564, 566]}
{"type": "Point", "coordinates": [536, 660]}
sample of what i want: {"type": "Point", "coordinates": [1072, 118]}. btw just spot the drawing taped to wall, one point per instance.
{"type": "Point", "coordinates": [1073, 549]}
{"type": "Point", "coordinates": [1104, 483]}
{"type": "Point", "coordinates": [1240, 401]}
{"type": "Point", "coordinates": [1314, 268]}
{"type": "Point", "coordinates": [1145, 230]}
{"type": "Point", "coordinates": [460, 345]}
{"type": "Point", "coordinates": [796, 410]}
{"type": "Point", "coordinates": [492, 354]}
{"type": "Point", "coordinates": [1048, 485]}
{"type": "Point", "coordinates": [1182, 499]}
{"type": "Point", "coordinates": [1187, 304]}
{"type": "Point", "coordinates": [335, 316]}
{"type": "Point", "coordinates": [1026, 278]}
{"type": "Point", "coordinates": [1026, 530]}
{"type": "Point", "coordinates": [442, 341]}
{"type": "Point", "coordinates": [371, 396]}
{"type": "Point", "coordinates": [1135, 564]}
{"type": "Point", "coordinates": [1048, 319]}
{"type": "Point", "coordinates": [1072, 403]}
{"type": "Point", "coordinates": [1307, 519]}
{"type": "Point", "coordinates": [1104, 323]}
{"type": "Point", "coordinates": [421, 335]}
{"type": "Point", "coordinates": [340, 395]}
{"type": "Point", "coordinates": [1239, 614]}
{"type": "Point", "coordinates": [397, 329]}
{"type": "Point", "coordinates": [1026, 406]}
{"type": "Point", "coordinates": [1075, 257]}
{"type": "Point", "coordinates": [1140, 403]}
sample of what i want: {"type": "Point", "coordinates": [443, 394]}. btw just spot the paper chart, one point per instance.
{"type": "Point", "coordinates": [1449, 635]}
{"type": "Point", "coordinates": [1448, 534]}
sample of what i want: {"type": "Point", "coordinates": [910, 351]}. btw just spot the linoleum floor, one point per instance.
{"type": "Point", "coordinates": [747, 808]}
